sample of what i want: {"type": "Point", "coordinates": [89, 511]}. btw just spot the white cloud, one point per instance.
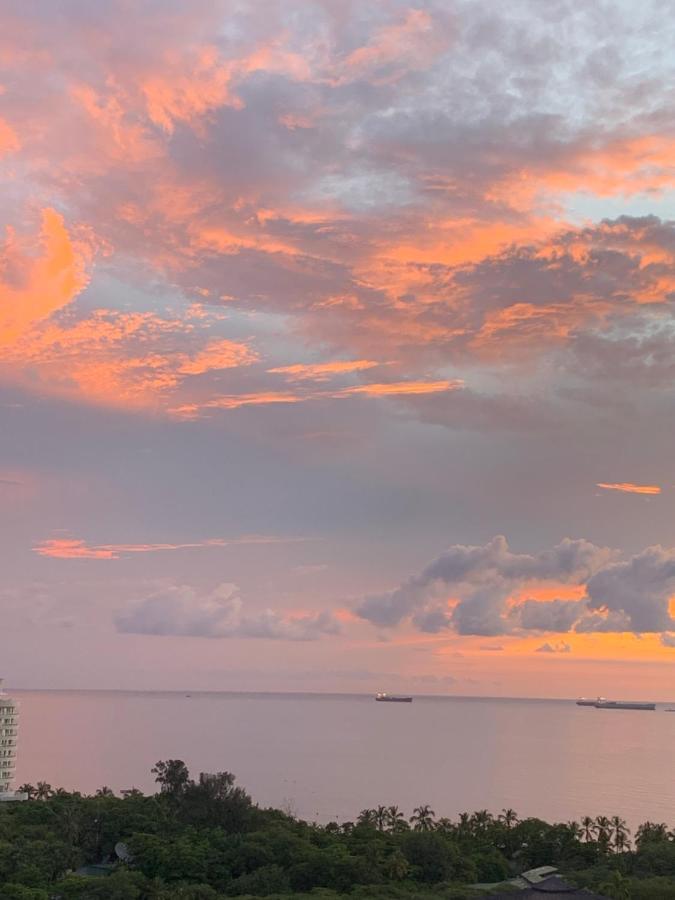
{"type": "Point", "coordinates": [181, 610]}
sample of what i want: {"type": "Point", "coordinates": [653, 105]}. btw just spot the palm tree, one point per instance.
{"type": "Point", "coordinates": [395, 819]}
{"type": "Point", "coordinates": [380, 817]}
{"type": "Point", "coordinates": [651, 831]}
{"type": "Point", "coordinates": [588, 829]}
{"type": "Point", "coordinates": [621, 833]}
{"type": "Point", "coordinates": [422, 818]}
{"type": "Point", "coordinates": [603, 832]}
{"type": "Point", "coordinates": [509, 817]}
{"type": "Point", "coordinates": [575, 830]}
{"type": "Point", "coordinates": [464, 824]}
{"type": "Point", "coordinates": [105, 792]}
{"type": "Point", "coordinates": [366, 817]}
{"type": "Point", "coordinates": [481, 821]}
{"type": "Point", "coordinates": [445, 825]}
{"type": "Point", "coordinates": [43, 791]}
{"type": "Point", "coordinates": [28, 790]}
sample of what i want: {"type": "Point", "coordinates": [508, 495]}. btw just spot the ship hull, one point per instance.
{"type": "Point", "coordinates": [394, 699]}
{"type": "Point", "coordinates": [614, 704]}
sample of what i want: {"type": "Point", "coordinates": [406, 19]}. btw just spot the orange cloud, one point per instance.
{"type": "Point", "coordinates": [33, 287]}
{"type": "Point", "coordinates": [220, 354]}
{"type": "Point", "coordinates": [9, 142]}
{"type": "Point", "coordinates": [323, 371]}
{"type": "Point", "coordinates": [400, 388]}
{"type": "Point", "coordinates": [189, 91]}
{"type": "Point", "coordinates": [263, 398]}
{"type": "Point", "coordinates": [410, 44]}
{"type": "Point", "coordinates": [129, 360]}
{"type": "Point", "coordinates": [629, 488]}
{"type": "Point", "coordinates": [74, 548]}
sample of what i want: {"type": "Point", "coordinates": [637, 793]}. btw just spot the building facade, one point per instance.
{"type": "Point", "coordinates": [9, 725]}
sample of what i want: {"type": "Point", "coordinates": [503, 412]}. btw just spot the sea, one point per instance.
{"type": "Point", "coordinates": [325, 757]}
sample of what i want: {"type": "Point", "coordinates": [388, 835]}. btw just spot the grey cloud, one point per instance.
{"type": "Point", "coordinates": [640, 587]}
{"type": "Point", "coordinates": [482, 578]}
{"type": "Point", "coordinates": [218, 614]}
{"type": "Point", "coordinates": [630, 595]}
{"type": "Point", "coordinates": [610, 622]}
{"type": "Point", "coordinates": [558, 647]}
{"type": "Point", "coordinates": [549, 616]}
{"type": "Point", "coordinates": [668, 640]}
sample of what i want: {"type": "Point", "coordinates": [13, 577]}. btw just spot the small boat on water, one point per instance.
{"type": "Point", "coordinates": [392, 698]}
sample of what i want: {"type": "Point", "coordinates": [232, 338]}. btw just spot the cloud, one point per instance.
{"type": "Point", "coordinates": [557, 647]}
{"type": "Point", "coordinates": [34, 286]}
{"type": "Point", "coordinates": [182, 611]}
{"type": "Point", "coordinates": [9, 142]}
{"type": "Point", "coordinates": [74, 548]}
{"type": "Point", "coordinates": [640, 588]}
{"type": "Point", "coordinates": [131, 360]}
{"type": "Point", "coordinates": [267, 398]}
{"type": "Point", "coordinates": [668, 640]}
{"type": "Point", "coordinates": [471, 589]}
{"type": "Point", "coordinates": [547, 615]}
{"type": "Point", "coordinates": [481, 578]}
{"type": "Point", "coordinates": [629, 488]}
{"type": "Point", "coordinates": [323, 371]}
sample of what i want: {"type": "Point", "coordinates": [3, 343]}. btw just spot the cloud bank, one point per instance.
{"type": "Point", "coordinates": [182, 611]}
{"type": "Point", "coordinates": [473, 590]}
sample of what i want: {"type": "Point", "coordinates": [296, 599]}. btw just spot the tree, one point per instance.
{"type": "Point", "coordinates": [395, 819]}
{"type": "Point", "coordinates": [603, 832]}
{"type": "Point", "coordinates": [650, 832]}
{"type": "Point", "coordinates": [172, 776]}
{"type": "Point", "coordinates": [27, 789]}
{"type": "Point", "coordinates": [397, 866]}
{"type": "Point", "coordinates": [380, 817]}
{"type": "Point", "coordinates": [429, 854]}
{"type": "Point", "coordinates": [588, 828]}
{"type": "Point", "coordinates": [620, 833]}
{"type": "Point", "coordinates": [618, 887]}
{"type": "Point", "coordinates": [366, 817]}
{"type": "Point", "coordinates": [105, 792]}
{"type": "Point", "coordinates": [575, 830]}
{"type": "Point", "coordinates": [508, 817]}
{"type": "Point", "coordinates": [422, 818]}
{"type": "Point", "coordinates": [481, 821]}
{"type": "Point", "coordinates": [43, 791]}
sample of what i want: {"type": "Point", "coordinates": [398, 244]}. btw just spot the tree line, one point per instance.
{"type": "Point", "coordinates": [205, 839]}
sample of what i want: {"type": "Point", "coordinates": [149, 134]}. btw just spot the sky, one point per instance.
{"type": "Point", "coordinates": [337, 346]}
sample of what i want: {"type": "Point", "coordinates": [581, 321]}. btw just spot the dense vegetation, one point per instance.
{"type": "Point", "coordinates": [206, 840]}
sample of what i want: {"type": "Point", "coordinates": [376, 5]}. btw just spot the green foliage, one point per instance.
{"type": "Point", "coordinates": [204, 839]}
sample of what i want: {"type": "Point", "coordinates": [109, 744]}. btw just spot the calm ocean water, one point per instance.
{"type": "Point", "coordinates": [327, 757]}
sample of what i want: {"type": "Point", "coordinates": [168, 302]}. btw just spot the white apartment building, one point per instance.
{"type": "Point", "coordinates": [9, 723]}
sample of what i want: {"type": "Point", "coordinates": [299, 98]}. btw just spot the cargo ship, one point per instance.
{"type": "Point", "coordinates": [623, 704]}
{"type": "Point", "coordinates": [392, 698]}
{"type": "Point", "coordinates": [601, 703]}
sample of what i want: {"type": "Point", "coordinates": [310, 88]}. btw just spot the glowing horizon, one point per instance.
{"type": "Point", "coordinates": [336, 347]}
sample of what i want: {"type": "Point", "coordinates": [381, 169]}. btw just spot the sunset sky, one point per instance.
{"type": "Point", "coordinates": [337, 346]}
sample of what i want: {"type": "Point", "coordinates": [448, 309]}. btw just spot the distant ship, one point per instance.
{"type": "Point", "coordinates": [601, 703]}
{"type": "Point", "coordinates": [623, 704]}
{"type": "Point", "coordinates": [392, 698]}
